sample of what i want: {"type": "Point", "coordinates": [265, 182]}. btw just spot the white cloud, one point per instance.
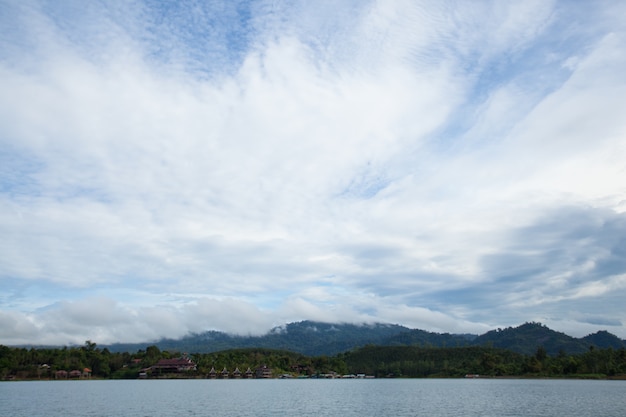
{"type": "Point", "coordinates": [349, 168]}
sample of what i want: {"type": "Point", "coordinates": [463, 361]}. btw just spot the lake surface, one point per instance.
{"type": "Point", "coordinates": [375, 397]}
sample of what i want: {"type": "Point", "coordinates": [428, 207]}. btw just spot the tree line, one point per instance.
{"type": "Point", "coordinates": [415, 362]}
{"type": "Point", "coordinates": [378, 361]}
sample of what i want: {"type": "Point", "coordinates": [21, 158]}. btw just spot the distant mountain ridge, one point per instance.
{"type": "Point", "coordinates": [527, 337]}
{"type": "Point", "coordinates": [317, 339]}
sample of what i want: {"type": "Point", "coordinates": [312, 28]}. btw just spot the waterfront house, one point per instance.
{"type": "Point", "coordinates": [174, 365]}
{"type": "Point", "coordinates": [263, 372]}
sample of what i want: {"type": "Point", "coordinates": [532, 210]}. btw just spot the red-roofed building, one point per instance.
{"type": "Point", "coordinates": [174, 365]}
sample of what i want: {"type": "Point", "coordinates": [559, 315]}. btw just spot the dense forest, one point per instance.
{"type": "Point", "coordinates": [91, 361]}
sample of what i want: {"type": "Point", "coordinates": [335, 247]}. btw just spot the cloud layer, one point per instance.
{"type": "Point", "coordinates": [238, 165]}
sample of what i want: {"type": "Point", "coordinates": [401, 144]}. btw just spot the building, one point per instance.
{"type": "Point", "coordinates": [75, 374]}
{"type": "Point", "coordinates": [263, 372]}
{"type": "Point", "coordinates": [174, 365]}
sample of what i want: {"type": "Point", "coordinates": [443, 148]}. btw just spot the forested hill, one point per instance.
{"type": "Point", "coordinates": [314, 339]}
{"type": "Point", "coordinates": [528, 337]}
{"type": "Point", "coordinates": [306, 337]}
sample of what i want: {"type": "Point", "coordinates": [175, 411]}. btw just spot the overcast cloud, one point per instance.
{"type": "Point", "coordinates": [175, 167]}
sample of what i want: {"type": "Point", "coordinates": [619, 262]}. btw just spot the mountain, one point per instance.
{"type": "Point", "coordinates": [306, 337]}
{"type": "Point", "coordinates": [423, 338]}
{"type": "Point", "coordinates": [604, 340]}
{"type": "Point", "coordinates": [528, 337]}
{"type": "Point", "coordinates": [315, 338]}
{"type": "Point", "coordinates": [318, 339]}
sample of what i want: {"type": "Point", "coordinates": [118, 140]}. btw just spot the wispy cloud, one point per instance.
{"type": "Point", "coordinates": [167, 169]}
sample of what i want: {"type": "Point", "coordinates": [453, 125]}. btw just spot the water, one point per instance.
{"type": "Point", "coordinates": [379, 397]}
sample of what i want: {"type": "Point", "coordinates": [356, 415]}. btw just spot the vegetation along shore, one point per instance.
{"type": "Point", "coordinates": [90, 361]}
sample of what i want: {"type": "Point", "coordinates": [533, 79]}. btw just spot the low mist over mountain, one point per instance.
{"type": "Point", "coordinates": [306, 337]}
{"type": "Point", "coordinates": [315, 339]}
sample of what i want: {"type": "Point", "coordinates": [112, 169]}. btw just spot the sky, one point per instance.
{"type": "Point", "coordinates": [172, 167]}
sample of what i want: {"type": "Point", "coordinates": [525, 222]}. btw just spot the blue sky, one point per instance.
{"type": "Point", "coordinates": [175, 167]}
